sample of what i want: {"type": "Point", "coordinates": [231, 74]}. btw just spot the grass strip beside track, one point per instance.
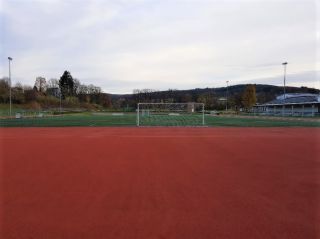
{"type": "Point", "coordinates": [71, 120]}
{"type": "Point", "coordinates": [85, 119]}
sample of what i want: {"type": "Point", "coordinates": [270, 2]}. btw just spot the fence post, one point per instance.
{"type": "Point", "coordinates": [202, 114]}
{"type": "Point", "coordinates": [138, 113]}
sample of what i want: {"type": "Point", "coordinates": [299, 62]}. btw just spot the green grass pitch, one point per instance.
{"type": "Point", "coordinates": [129, 119]}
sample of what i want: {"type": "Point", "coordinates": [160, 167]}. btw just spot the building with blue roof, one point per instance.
{"type": "Point", "coordinates": [293, 104]}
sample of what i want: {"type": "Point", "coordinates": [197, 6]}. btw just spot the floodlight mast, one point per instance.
{"type": "Point", "coordinates": [10, 102]}
{"type": "Point", "coordinates": [284, 79]}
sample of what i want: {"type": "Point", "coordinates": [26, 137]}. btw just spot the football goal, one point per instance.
{"type": "Point", "coordinates": [170, 114]}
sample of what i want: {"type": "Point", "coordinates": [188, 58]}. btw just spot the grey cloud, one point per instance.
{"type": "Point", "coordinates": [158, 44]}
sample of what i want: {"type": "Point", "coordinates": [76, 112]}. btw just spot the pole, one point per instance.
{"type": "Point", "coordinates": [60, 101]}
{"type": "Point", "coordinates": [202, 114]}
{"type": "Point", "coordinates": [284, 79]}
{"type": "Point", "coordinates": [138, 115]}
{"type": "Point", "coordinates": [312, 109]}
{"type": "Point", "coordinates": [10, 102]}
{"type": "Point", "coordinates": [227, 97]}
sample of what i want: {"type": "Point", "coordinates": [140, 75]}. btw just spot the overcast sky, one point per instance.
{"type": "Point", "coordinates": [121, 45]}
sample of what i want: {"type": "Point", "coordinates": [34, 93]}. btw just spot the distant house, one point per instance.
{"type": "Point", "coordinates": [296, 104]}
{"type": "Point", "coordinates": [54, 91]}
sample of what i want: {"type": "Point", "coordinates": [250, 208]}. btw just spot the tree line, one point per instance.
{"type": "Point", "coordinates": [70, 92]}
{"type": "Point", "coordinates": [67, 91]}
{"type": "Point", "coordinates": [235, 97]}
{"type": "Point", "coordinates": [212, 99]}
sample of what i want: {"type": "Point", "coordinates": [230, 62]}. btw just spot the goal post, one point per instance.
{"type": "Point", "coordinates": [170, 114]}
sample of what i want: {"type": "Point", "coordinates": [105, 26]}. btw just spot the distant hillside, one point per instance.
{"type": "Point", "coordinates": [264, 93]}
{"type": "Point", "coordinates": [90, 97]}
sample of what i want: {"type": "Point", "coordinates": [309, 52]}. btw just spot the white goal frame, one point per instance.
{"type": "Point", "coordinates": [142, 110]}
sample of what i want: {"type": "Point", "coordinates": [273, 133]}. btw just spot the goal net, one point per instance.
{"type": "Point", "coordinates": [170, 114]}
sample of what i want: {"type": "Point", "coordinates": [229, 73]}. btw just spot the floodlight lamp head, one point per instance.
{"type": "Point", "coordinates": [284, 63]}
{"type": "Point", "coordinates": [9, 58]}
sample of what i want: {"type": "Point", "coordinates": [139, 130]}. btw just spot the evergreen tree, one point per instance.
{"type": "Point", "coordinates": [66, 84]}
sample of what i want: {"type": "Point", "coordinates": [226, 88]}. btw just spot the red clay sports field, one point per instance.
{"type": "Point", "coordinates": [76, 183]}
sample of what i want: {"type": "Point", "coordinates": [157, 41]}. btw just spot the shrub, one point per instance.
{"type": "Point", "coordinates": [72, 101]}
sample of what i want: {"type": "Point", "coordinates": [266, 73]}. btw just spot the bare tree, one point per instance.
{"type": "Point", "coordinates": [76, 86]}
{"type": "Point", "coordinates": [53, 83]}
{"type": "Point", "coordinates": [40, 84]}
{"type": "Point", "coordinates": [94, 89]}
{"type": "Point", "coordinates": [83, 89]}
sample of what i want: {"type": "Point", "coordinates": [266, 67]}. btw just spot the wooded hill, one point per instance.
{"type": "Point", "coordinates": [214, 98]}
